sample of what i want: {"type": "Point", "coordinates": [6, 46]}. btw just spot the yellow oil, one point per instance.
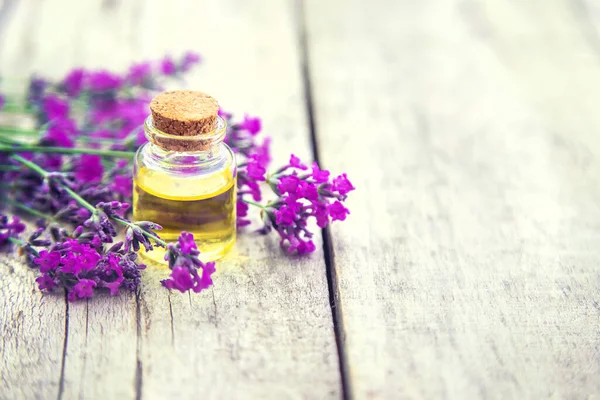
{"type": "Point", "coordinates": [204, 206]}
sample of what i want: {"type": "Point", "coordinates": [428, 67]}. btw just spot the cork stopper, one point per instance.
{"type": "Point", "coordinates": [180, 114]}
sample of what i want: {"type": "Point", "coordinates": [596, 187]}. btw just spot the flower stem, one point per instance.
{"type": "Point", "coordinates": [9, 168]}
{"type": "Point", "coordinates": [14, 108]}
{"type": "Point", "coordinates": [17, 241]}
{"type": "Point", "coordinates": [29, 164]}
{"type": "Point", "coordinates": [66, 150]}
{"type": "Point", "coordinates": [253, 203]}
{"type": "Point", "coordinates": [19, 131]}
{"type": "Point", "coordinates": [147, 234]}
{"type": "Point", "coordinates": [82, 201]}
{"type": "Point", "coordinates": [79, 199]}
{"type": "Point", "coordinates": [30, 210]}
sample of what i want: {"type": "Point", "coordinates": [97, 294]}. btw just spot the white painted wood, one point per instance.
{"type": "Point", "coordinates": [32, 331]}
{"type": "Point", "coordinates": [265, 331]}
{"type": "Point", "coordinates": [469, 265]}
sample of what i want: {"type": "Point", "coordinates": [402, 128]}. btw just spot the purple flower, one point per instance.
{"type": "Point", "coordinates": [73, 82]}
{"type": "Point", "coordinates": [112, 276]}
{"type": "Point", "coordinates": [318, 174]}
{"type": "Point", "coordinates": [59, 132]}
{"type": "Point", "coordinates": [262, 152]}
{"type": "Point", "coordinates": [55, 107]}
{"type": "Point", "coordinates": [46, 282]}
{"type": "Point", "coordinates": [296, 163]}
{"type": "Point", "coordinates": [184, 264]}
{"type": "Point", "coordinates": [122, 185]}
{"type": "Point", "coordinates": [337, 211]}
{"type": "Point", "coordinates": [242, 212]}
{"type": "Point", "coordinates": [205, 281]}
{"type": "Point", "coordinates": [308, 191]}
{"type": "Point", "coordinates": [288, 184]}
{"type": "Point", "coordinates": [36, 89]}
{"type": "Point", "coordinates": [83, 289]}
{"type": "Point", "coordinates": [224, 114]}
{"type": "Point", "coordinates": [167, 66]}
{"type": "Point", "coordinates": [304, 247]}
{"type": "Point", "coordinates": [89, 168]}
{"type": "Point", "coordinates": [285, 216]}
{"type": "Point", "coordinates": [180, 280]}
{"type": "Point", "coordinates": [139, 73]}
{"type": "Point", "coordinates": [71, 265]}
{"type": "Point", "coordinates": [10, 229]}
{"type": "Point", "coordinates": [300, 198]}
{"type": "Point", "coordinates": [82, 258]}
{"type": "Point", "coordinates": [187, 243]}
{"type": "Point", "coordinates": [48, 261]}
{"type": "Point", "coordinates": [322, 215]}
{"type": "Point", "coordinates": [2, 101]}
{"type": "Point", "coordinates": [255, 170]}
{"type": "Point", "coordinates": [250, 124]}
{"type": "Point", "coordinates": [104, 81]}
{"type": "Point", "coordinates": [342, 185]}
{"type": "Point", "coordinates": [189, 60]}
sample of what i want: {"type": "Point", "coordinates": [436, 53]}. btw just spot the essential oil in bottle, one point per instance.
{"type": "Point", "coordinates": [184, 177]}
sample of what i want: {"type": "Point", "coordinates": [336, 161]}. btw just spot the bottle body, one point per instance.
{"type": "Point", "coordinates": [187, 191]}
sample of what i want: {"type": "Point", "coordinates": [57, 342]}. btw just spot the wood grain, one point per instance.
{"type": "Point", "coordinates": [469, 265]}
{"type": "Point", "coordinates": [32, 332]}
{"type": "Point", "coordinates": [265, 330]}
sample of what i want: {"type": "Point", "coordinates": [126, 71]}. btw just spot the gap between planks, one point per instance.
{"type": "Point", "coordinates": [328, 252]}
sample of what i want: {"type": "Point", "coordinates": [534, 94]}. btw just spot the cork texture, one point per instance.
{"type": "Point", "coordinates": [184, 112]}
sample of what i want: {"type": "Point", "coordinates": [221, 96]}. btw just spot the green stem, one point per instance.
{"type": "Point", "coordinates": [30, 165]}
{"type": "Point", "coordinates": [17, 241]}
{"type": "Point", "coordinates": [30, 210]}
{"type": "Point", "coordinates": [5, 140]}
{"type": "Point", "coordinates": [148, 235]}
{"type": "Point", "coordinates": [18, 131]}
{"type": "Point", "coordinates": [253, 203]}
{"type": "Point", "coordinates": [79, 199]}
{"type": "Point", "coordinates": [9, 168]}
{"type": "Point", "coordinates": [66, 150]}
{"type": "Point", "coordinates": [12, 108]}
{"type": "Point", "coordinates": [23, 243]}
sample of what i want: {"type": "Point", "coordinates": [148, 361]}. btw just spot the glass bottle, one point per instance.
{"type": "Point", "coordinates": [187, 183]}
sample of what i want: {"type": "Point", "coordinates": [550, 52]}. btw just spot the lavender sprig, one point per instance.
{"type": "Point", "coordinates": [182, 257]}
{"type": "Point", "coordinates": [301, 195]}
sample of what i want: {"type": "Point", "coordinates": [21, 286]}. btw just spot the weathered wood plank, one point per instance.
{"type": "Point", "coordinates": [266, 329]}
{"type": "Point", "coordinates": [32, 331]}
{"type": "Point", "coordinates": [469, 265]}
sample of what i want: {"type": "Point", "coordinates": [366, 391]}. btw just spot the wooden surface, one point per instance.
{"type": "Point", "coordinates": [470, 265]}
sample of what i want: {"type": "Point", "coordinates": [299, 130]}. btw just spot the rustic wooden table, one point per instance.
{"type": "Point", "coordinates": [470, 266]}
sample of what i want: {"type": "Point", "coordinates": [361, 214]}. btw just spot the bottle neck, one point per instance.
{"type": "Point", "coordinates": [201, 145]}
{"type": "Point", "coordinates": [158, 151]}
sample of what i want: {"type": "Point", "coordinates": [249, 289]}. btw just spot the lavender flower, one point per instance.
{"type": "Point", "coordinates": [189, 60]}
{"type": "Point", "coordinates": [82, 269]}
{"type": "Point", "coordinates": [167, 66]}
{"type": "Point", "coordinates": [301, 196]}
{"type": "Point", "coordinates": [55, 107]}
{"type": "Point", "coordinates": [89, 168]}
{"type": "Point", "coordinates": [139, 74]}
{"type": "Point", "coordinates": [184, 264]}
{"type": "Point", "coordinates": [72, 85]}
{"type": "Point", "coordinates": [250, 124]}
{"type": "Point", "coordinates": [10, 230]}
{"type": "Point", "coordinates": [103, 81]}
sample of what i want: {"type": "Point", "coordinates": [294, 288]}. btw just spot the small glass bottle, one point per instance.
{"type": "Point", "coordinates": [185, 176]}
